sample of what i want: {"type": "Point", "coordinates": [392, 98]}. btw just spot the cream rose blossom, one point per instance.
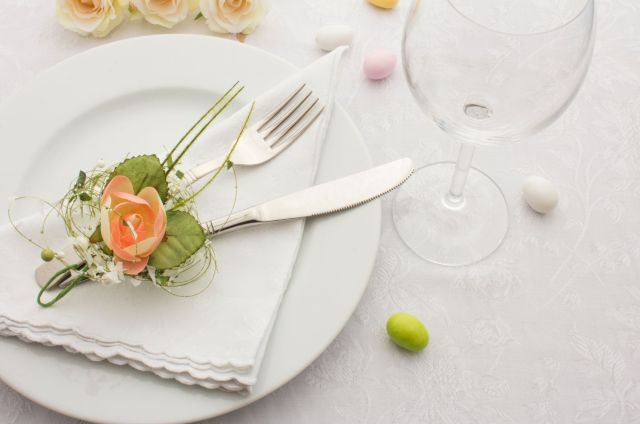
{"type": "Point", "coordinates": [91, 17]}
{"type": "Point", "coordinates": [233, 16]}
{"type": "Point", "coordinates": [166, 13]}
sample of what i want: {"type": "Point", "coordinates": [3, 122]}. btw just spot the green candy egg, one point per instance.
{"type": "Point", "coordinates": [407, 331]}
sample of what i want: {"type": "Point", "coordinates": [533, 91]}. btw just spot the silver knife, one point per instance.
{"type": "Point", "coordinates": [330, 197]}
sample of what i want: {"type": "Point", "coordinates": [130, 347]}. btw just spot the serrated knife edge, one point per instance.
{"type": "Point", "coordinates": [363, 202]}
{"type": "Point", "coordinates": [322, 199]}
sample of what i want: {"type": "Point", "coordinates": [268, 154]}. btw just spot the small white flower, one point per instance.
{"type": "Point", "coordinates": [152, 274]}
{"type": "Point", "coordinates": [233, 16]}
{"type": "Point", "coordinates": [100, 164]}
{"type": "Point", "coordinates": [177, 185]}
{"type": "Point", "coordinates": [81, 242]}
{"type": "Point", "coordinates": [134, 281]}
{"type": "Point", "coordinates": [95, 271]}
{"type": "Point", "coordinates": [60, 254]}
{"type": "Point", "coordinates": [114, 275]}
{"type": "Point", "coordinates": [166, 13]}
{"type": "Point", "coordinates": [99, 258]}
{"type": "Point", "coordinates": [90, 17]}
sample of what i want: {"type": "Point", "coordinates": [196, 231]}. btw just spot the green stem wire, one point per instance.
{"type": "Point", "coordinates": [222, 165]}
{"type": "Point", "coordinates": [235, 197]}
{"type": "Point", "coordinates": [204, 127]}
{"type": "Point", "coordinates": [15, 226]}
{"type": "Point", "coordinates": [220, 99]}
{"type": "Point", "coordinates": [64, 291]}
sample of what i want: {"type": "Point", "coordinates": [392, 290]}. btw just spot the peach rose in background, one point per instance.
{"type": "Point", "coordinates": [166, 13]}
{"type": "Point", "coordinates": [131, 225]}
{"type": "Point", "coordinates": [233, 16]}
{"type": "Point", "coordinates": [90, 17]}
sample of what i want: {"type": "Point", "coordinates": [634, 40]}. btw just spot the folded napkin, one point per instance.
{"type": "Point", "coordinates": [216, 339]}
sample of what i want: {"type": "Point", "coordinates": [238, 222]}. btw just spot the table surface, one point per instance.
{"type": "Point", "coordinates": [547, 330]}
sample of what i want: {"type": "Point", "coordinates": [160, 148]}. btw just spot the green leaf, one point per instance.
{"type": "Point", "coordinates": [106, 249]}
{"type": "Point", "coordinates": [198, 16]}
{"type": "Point", "coordinates": [144, 171]}
{"type": "Point", "coordinates": [96, 237]}
{"type": "Point", "coordinates": [162, 280]}
{"type": "Point", "coordinates": [183, 238]}
{"type": "Point", "coordinates": [82, 177]}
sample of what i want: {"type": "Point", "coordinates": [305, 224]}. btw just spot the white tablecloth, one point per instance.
{"type": "Point", "coordinates": [545, 331]}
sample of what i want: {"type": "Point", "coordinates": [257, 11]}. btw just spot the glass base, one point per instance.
{"type": "Point", "coordinates": [445, 232]}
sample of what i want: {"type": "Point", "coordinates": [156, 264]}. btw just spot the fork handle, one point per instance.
{"type": "Point", "coordinates": [199, 171]}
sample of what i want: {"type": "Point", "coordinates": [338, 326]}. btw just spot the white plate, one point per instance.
{"type": "Point", "coordinates": [159, 84]}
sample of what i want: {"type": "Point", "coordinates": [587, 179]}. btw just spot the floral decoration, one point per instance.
{"type": "Point", "coordinates": [99, 17]}
{"type": "Point", "coordinates": [137, 221]}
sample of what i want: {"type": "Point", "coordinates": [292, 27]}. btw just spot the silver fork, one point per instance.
{"type": "Point", "coordinates": [268, 137]}
{"type": "Point", "coordinates": [259, 143]}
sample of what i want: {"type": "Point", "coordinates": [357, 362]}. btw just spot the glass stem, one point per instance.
{"type": "Point", "coordinates": [454, 198]}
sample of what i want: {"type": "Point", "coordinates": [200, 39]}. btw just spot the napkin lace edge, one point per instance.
{"type": "Point", "coordinates": [187, 372]}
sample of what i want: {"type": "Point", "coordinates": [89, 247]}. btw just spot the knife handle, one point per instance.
{"type": "Point", "coordinates": [241, 219]}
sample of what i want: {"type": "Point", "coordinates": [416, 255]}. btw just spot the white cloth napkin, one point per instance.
{"type": "Point", "coordinates": [216, 339]}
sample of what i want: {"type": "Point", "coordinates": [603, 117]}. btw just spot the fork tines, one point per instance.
{"type": "Point", "coordinates": [291, 118]}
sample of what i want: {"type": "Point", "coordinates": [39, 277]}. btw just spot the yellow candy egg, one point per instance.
{"type": "Point", "coordinates": [385, 4]}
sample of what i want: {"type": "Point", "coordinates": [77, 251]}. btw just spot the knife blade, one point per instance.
{"type": "Point", "coordinates": [322, 199]}
{"type": "Point", "coordinates": [330, 197]}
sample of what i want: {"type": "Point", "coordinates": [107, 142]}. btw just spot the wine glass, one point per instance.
{"type": "Point", "coordinates": [487, 72]}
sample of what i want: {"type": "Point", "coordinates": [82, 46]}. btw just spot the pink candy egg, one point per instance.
{"type": "Point", "coordinates": [379, 64]}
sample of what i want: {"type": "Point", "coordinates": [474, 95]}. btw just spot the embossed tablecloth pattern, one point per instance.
{"type": "Point", "coordinates": [545, 331]}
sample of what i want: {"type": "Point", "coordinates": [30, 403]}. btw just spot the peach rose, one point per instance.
{"type": "Point", "coordinates": [131, 225]}
{"type": "Point", "coordinates": [95, 17]}
{"type": "Point", "coordinates": [166, 13]}
{"type": "Point", "coordinates": [233, 16]}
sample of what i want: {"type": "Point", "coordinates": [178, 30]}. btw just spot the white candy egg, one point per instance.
{"type": "Point", "coordinates": [331, 36]}
{"type": "Point", "coordinates": [540, 194]}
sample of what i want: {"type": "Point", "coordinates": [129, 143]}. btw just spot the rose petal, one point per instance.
{"type": "Point", "coordinates": [166, 13]}
{"type": "Point", "coordinates": [151, 196]}
{"type": "Point", "coordinates": [118, 250]}
{"type": "Point", "coordinates": [120, 184]}
{"type": "Point", "coordinates": [96, 17]}
{"type": "Point", "coordinates": [105, 225]}
{"type": "Point", "coordinates": [118, 197]}
{"type": "Point", "coordinates": [143, 209]}
{"type": "Point", "coordinates": [143, 248]}
{"type": "Point", "coordinates": [233, 16]}
{"type": "Point", "coordinates": [135, 267]}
